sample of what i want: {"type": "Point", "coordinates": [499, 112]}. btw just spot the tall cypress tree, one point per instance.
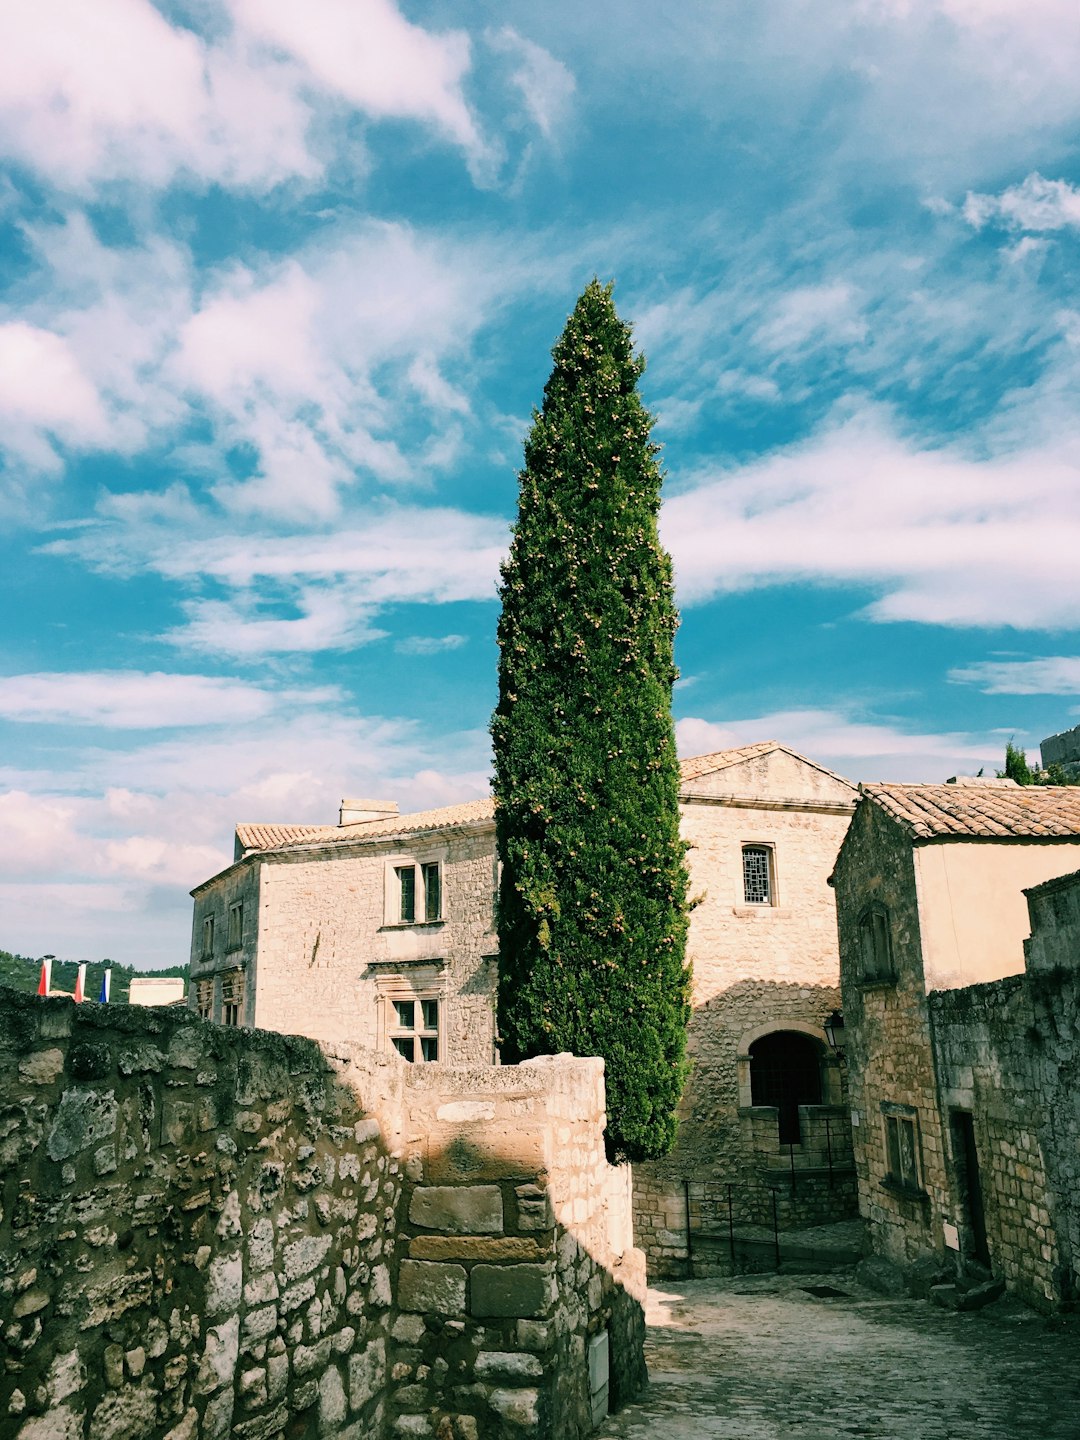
{"type": "Point", "coordinates": [592, 903]}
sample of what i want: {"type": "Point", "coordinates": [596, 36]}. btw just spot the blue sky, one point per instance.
{"type": "Point", "coordinates": [279, 286]}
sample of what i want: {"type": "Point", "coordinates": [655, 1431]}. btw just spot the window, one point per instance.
{"type": "Point", "coordinates": [432, 876]}
{"type": "Point", "coordinates": [901, 1147]}
{"type": "Point", "coordinates": [208, 937]}
{"type": "Point", "coordinates": [232, 998]}
{"type": "Point", "coordinates": [407, 889]}
{"type": "Point", "coordinates": [416, 895]}
{"type": "Point", "coordinates": [757, 875]}
{"type": "Point", "coordinates": [875, 947]}
{"type": "Point", "coordinates": [204, 999]}
{"type": "Point", "coordinates": [236, 926]}
{"type": "Point", "coordinates": [414, 1028]}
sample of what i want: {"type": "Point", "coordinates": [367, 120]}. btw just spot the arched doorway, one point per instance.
{"type": "Point", "coordinates": [785, 1071]}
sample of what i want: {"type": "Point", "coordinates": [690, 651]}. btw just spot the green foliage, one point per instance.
{"type": "Point", "coordinates": [1016, 766]}
{"type": "Point", "coordinates": [22, 972]}
{"type": "Point", "coordinates": [592, 904]}
{"type": "Point", "coordinates": [1018, 769]}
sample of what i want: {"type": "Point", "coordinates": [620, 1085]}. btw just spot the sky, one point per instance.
{"type": "Point", "coordinates": [278, 289]}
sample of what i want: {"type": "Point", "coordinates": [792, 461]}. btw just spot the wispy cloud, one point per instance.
{"type": "Point", "coordinates": [943, 538]}
{"type": "Point", "coordinates": [1046, 675]}
{"type": "Point", "coordinates": [430, 644]}
{"type": "Point", "coordinates": [134, 700]}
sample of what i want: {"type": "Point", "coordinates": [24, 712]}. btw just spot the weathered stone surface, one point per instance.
{"type": "Point", "coordinates": [59, 1423]}
{"type": "Point", "coordinates": [127, 1414]}
{"type": "Point", "coordinates": [303, 1256]}
{"type": "Point", "coordinates": [42, 1067]}
{"type": "Point", "coordinates": [520, 1408]}
{"type": "Point", "coordinates": [470, 1247]}
{"type": "Point", "coordinates": [429, 1287]}
{"type": "Point", "coordinates": [224, 1279]}
{"type": "Point", "coordinates": [332, 1404]}
{"type": "Point", "coordinates": [83, 1118]}
{"type": "Point", "coordinates": [367, 1373]}
{"type": "Point", "coordinates": [219, 1357]}
{"type": "Point", "coordinates": [512, 1365]}
{"type": "Point", "coordinates": [461, 1209]}
{"type": "Point", "coordinates": [510, 1290]}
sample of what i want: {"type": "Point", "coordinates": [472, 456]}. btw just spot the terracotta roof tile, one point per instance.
{"type": "Point", "coordinates": [931, 812]}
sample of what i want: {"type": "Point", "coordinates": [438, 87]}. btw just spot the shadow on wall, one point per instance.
{"type": "Point", "coordinates": [764, 1112]}
{"type": "Point", "coordinates": [211, 1232]}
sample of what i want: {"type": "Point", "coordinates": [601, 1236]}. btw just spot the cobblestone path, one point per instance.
{"type": "Point", "coordinates": [760, 1358]}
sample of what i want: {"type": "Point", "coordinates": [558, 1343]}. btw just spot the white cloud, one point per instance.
{"type": "Point", "coordinates": [132, 700]}
{"type": "Point", "coordinates": [374, 58]}
{"type": "Point", "coordinates": [1047, 675]}
{"type": "Point", "coordinates": [811, 316]}
{"type": "Point", "coordinates": [546, 85]}
{"type": "Point", "coordinates": [430, 644]}
{"type": "Point", "coordinates": [113, 91]}
{"type": "Point", "coordinates": [35, 832]}
{"type": "Point", "coordinates": [862, 750]}
{"type": "Point", "coordinates": [1035, 204]}
{"type": "Point", "coordinates": [329, 620]}
{"type": "Point", "coordinates": [944, 539]}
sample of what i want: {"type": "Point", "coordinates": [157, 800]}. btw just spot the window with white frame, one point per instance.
{"type": "Point", "coordinates": [415, 893]}
{"type": "Point", "coordinates": [204, 998]}
{"type": "Point", "coordinates": [758, 878]}
{"type": "Point", "coordinates": [235, 937]}
{"type": "Point", "coordinates": [901, 1146]}
{"type": "Point", "coordinates": [413, 1027]}
{"type": "Point", "coordinates": [232, 998]}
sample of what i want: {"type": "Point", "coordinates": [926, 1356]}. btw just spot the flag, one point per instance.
{"type": "Point", "coordinates": [45, 982]}
{"type": "Point", "coordinates": [105, 978]}
{"type": "Point", "coordinates": [80, 983]}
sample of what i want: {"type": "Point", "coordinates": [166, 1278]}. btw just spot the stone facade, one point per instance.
{"type": "Point", "coordinates": [324, 952]}
{"type": "Point", "coordinates": [955, 1103]}
{"type": "Point", "coordinates": [209, 1232]}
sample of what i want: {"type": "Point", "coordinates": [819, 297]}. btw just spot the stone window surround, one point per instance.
{"type": "Point", "coordinates": [392, 887]}
{"type": "Point", "coordinates": [882, 973]}
{"type": "Point", "coordinates": [208, 929]}
{"type": "Point", "coordinates": [902, 1114]}
{"type": "Point", "coordinates": [772, 906]}
{"type": "Point", "coordinates": [232, 987]}
{"type": "Point", "coordinates": [234, 938]}
{"type": "Point", "coordinates": [831, 1092]}
{"type": "Point", "coordinates": [418, 980]}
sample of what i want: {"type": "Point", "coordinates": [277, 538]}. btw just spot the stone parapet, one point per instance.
{"type": "Point", "coordinates": [212, 1232]}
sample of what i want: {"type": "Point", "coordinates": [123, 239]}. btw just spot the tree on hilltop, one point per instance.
{"type": "Point", "coordinates": [592, 903]}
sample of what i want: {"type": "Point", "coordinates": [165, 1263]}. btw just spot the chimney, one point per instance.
{"type": "Point", "coordinates": [354, 812]}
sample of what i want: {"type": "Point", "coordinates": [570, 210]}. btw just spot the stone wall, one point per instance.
{"type": "Point", "coordinates": [209, 1232]}
{"type": "Point", "coordinates": [983, 1053]}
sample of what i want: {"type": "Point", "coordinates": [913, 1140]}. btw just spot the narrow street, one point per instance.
{"type": "Point", "coordinates": [764, 1358]}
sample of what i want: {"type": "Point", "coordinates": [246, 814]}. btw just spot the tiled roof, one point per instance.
{"type": "Point", "coordinates": [698, 765]}
{"type": "Point", "coordinates": [930, 812]}
{"type": "Point", "coordinates": [283, 837]}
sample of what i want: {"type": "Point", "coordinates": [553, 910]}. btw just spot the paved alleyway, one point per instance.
{"type": "Point", "coordinates": [759, 1358]}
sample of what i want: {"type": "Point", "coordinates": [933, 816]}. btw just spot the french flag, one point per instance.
{"type": "Point", "coordinates": [106, 977]}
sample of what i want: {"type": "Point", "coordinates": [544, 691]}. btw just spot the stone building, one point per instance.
{"type": "Point", "coordinates": [954, 1052]}
{"type": "Point", "coordinates": [381, 931]}
{"type": "Point", "coordinates": [1064, 750]}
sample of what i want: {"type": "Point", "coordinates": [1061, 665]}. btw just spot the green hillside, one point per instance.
{"type": "Point", "coordinates": [22, 972]}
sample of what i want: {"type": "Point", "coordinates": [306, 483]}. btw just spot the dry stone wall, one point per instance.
{"type": "Point", "coordinates": [212, 1232]}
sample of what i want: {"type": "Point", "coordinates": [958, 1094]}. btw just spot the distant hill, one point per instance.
{"type": "Point", "coordinates": [22, 972]}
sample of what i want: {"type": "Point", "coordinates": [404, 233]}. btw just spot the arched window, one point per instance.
{"type": "Point", "coordinates": [875, 947]}
{"type": "Point", "coordinates": [785, 1071]}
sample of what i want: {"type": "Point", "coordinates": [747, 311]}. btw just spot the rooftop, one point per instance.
{"type": "Point", "coordinates": [982, 812]}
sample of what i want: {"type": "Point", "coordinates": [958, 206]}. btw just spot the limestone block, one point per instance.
{"type": "Point", "coordinates": [379, 1292]}
{"type": "Point", "coordinates": [474, 1247]}
{"type": "Point", "coordinates": [306, 1358]}
{"type": "Point", "coordinates": [461, 1209]}
{"type": "Point", "coordinates": [41, 1068]}
{"type": "Point", "coordinates": [367, 1372]}
{"type": "Point", "coordinates": [521, 1291]}
{"type": "Point", "coordinates": [224, 1281]}
{"type": "Point", "coordinates": [517, 1407]}
{"type": "Point", "coordinates": [428, 1287]}
{"type": "Point", "coordinates": [83, 1118]}
{"type": "Point", "coordinates": [332, 1405]}
{"type": "Point", "coordinates": [511, 1365]}
{"type": "Point", "coordinates": [67, 1375]}
{"type": "Point", "coordinates": [217, 1417]}
{"type": "Point", "coordinates": [534, 1208]}
{"type": "Point", "coordinates": [219, 1357]}
{"type": "Point", "coordinates": [262, 1427]}
{"type": "Point", "coordinates": [125, 1413]}
{"type": "Point", "coordinates": [187, 1429]}
{"type": "Point", "coordinates": [58, 1423]}
{"type": "Point", "coordinates": [457, 1111]}
{"type": "Point", "coordinates": [258, 1324]}
{"type": "Point", "coordinates": [304, 1255]}
{"type": "Point", "coordinates": [493, 1151]}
